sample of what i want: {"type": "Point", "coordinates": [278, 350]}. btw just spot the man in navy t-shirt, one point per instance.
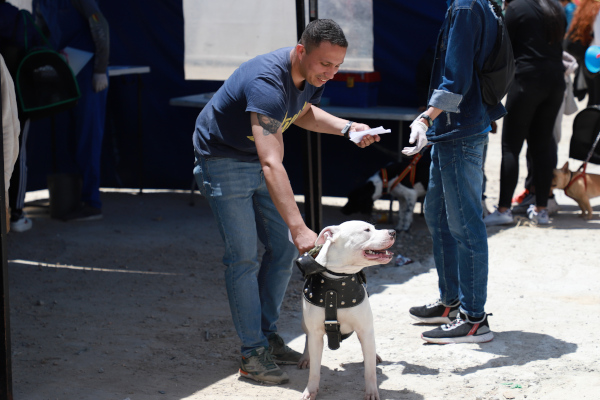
{"type": "Point", "coordinates": [238, 142]}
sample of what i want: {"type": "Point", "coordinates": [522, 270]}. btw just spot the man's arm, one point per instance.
{"type": "Point", "coordinates": [269, 144]}
{"type": "Point", "coordinates": [100, 35]}
{"type": "Point", "coordinates": [317, 120]}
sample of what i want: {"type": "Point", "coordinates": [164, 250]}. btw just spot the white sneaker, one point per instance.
{"type": "Point", "coordinates": [499, 218]}
{"type": "Point", "coordinates": [21, 225]}
{"type": "Point", "coordinates": [486, 212]}
{"type": "Point", "coordinates": [553, 206]}
{"type": "Point", "coordinates": [539, 217]}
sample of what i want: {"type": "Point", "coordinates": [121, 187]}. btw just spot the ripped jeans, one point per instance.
{"type": "Point", "coordinates": [244, 212]}
{"type": "Point", "coordinates": [454, 216]}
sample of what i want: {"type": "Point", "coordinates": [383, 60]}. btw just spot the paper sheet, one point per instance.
{"type": "Point", "coordinates": [356, 137]}
{"type": "Point", "coordinates": [77, 58]}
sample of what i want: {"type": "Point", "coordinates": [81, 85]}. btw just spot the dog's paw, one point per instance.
{"type": "Point", "coordinates": [311, 394]}
{"type": "Point", "coordinates": [304, 362]}
{"type": "Point", "coordinates": [370, 395]}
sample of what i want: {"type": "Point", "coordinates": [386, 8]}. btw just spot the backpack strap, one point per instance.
{"type": "Point", "coordinates": [26, 16]}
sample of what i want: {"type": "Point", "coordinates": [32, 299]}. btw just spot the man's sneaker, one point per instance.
{"type": "Point", "coordinates": [518, 199]}
{"type": "Point", "coordinates": [523, 206]}
{"type": "Point", "coordinates": [261, 367]}
{"type": "Point", "coordinates": [280, 353]}
{"type": "Point", "coordinates": [84, 213]}
{"type": "Point", "coordinates": [553, 206]}
{"type": "Point", "coordinates": [499, 218]}
{"type": "Point", "coordinates": [486, 212]}
{"type": "Point", "coordinates": [435, 313]}
{"type": "Point", "coordinates": [21, 225]}
{"type": "Point", "coordinates": [461, 330]}
{"type": "Point", "coordinates": [539, 217]}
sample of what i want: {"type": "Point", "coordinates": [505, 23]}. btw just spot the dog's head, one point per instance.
{"type": "Point", "coordinates": [561, 177]}
{"type": "Point", "coordinates": [353, 245]}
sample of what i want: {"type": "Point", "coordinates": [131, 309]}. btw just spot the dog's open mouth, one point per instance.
{"type": "Point", "coordinates": [384, 254]}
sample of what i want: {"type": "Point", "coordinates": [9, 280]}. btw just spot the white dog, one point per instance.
{"type": "Point", "coordinates": [384, 181]}
{"type": "Point", "coordinates": [335, 300]}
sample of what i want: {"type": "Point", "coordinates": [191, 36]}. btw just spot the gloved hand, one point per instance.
{"type": "Point", "coordinates": [99, 82]}
{"type": "Point", "coordinates": [418, 134]}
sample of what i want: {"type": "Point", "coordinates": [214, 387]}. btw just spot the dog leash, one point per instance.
{"type": "Point", "coordinates": [584, 166]}
{"type": "Point", "coordinates": [412, 168]}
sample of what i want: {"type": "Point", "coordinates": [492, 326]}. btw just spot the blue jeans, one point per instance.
{"type": "Point", "coordinates": [239, 199]}
{"type": "Point", "coordinates": [453, 213]}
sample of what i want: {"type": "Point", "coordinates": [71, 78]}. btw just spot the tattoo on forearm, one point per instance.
{"type": "Point", "coordinates": [270, 125]}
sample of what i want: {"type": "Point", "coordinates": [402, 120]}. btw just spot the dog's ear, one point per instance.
{"type": "Point", "coordinates": [565, 167]}
{"type": "Point", "coordinates": [326, 234]}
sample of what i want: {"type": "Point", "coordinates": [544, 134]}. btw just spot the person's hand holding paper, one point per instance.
{"type": "Point", "coordinates": [365, 137]}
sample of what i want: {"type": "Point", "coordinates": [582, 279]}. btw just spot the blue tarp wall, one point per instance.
{"type": "Point", "coordinates": [151, 33]}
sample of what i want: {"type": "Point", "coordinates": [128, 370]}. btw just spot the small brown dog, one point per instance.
{"type": "Point", "coordinates": [579, 188]}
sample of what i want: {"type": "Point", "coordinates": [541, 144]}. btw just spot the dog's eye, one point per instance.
{"type": "Point", "coordinates": [368, 230]}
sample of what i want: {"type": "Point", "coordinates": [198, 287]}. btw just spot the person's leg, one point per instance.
{"type": "Point", "coordinates": [520, 103]}
{"type": "Point", "coordinates": [229, 186]}
{"type": "Point", "coordinates": [18, 179]}
{"type": "Point", "coordinates": [89, 127]}
{"type": "Point", "coordinates": [277, 260]}
{"type": "Point", "coordinates": [462, 178]}
{"type": "Point", "coordinates": [445, 248]}
{"type": "Point", "coordinates": [541, 139]}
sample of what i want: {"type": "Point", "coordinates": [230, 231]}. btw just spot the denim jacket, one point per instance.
{"type": "Point", "coordinates": [468, 34]}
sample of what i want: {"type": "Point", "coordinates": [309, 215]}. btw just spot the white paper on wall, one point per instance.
{"type": "Point", "coordinates": [221, 35]}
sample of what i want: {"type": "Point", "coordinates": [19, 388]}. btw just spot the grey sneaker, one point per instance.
{"type": "Point", "coordinates": [523, 206]}
{"type": "Point", "coordinates": [261, 367]}
{"type": "Point", "coordinates": [499, 218]}
{"type": "Point", "coordinates": [539, 217]}
{"type": "Point", "coordinates": [281, 353]}
{"type": "Point", "coordinates": [553, 206]}
{"type": "Point", "coordinates": [461, 330]}
{"type": "Point", "coordinates": [435, 313]}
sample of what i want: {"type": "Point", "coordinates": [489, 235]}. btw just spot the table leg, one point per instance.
{"type": "Point", "coordinates": [140, 135]}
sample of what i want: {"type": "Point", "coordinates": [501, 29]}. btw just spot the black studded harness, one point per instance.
{"type": "Point", "coordinates": [349, 290]}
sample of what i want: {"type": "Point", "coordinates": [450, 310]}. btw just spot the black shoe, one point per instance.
{"type": "Point", "coordinates": [84, 213]}
{"type": "Point", "coordinates": [436, 313]}
{"type": "Point", "coordinates": [461, 330]}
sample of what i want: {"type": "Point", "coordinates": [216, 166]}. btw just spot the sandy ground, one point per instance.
{"type": "Point", "coordinates": [134, 307]}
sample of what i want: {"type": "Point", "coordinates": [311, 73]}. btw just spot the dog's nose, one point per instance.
{"type": "Point", "coordinates": [392, 232]}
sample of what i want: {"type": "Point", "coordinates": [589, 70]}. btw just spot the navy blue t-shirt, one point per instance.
{"type": "Point", "coordinates": [263, 85]}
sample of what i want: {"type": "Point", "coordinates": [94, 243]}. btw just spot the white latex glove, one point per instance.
{"type": "Point", "coordinates": [418, 134]}
{"type": "Point", "coordinates": [99, 82]}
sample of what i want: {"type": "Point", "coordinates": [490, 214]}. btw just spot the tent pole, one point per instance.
{"type": "Point", "coordinates": [311, 148]}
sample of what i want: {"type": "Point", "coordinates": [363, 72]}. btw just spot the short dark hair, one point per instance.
{"type": "Point", "coordinates": [322, 30]}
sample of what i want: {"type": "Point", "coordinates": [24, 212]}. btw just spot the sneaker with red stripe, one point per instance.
{"type": "Point", "coordinates": [518, 199]}
{"type": "Point", "coordinates": [461, 330]}
{"type": "Point", "coordinates": [435, 313]}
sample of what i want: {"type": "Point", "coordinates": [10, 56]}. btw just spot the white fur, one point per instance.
{"type": "Point", "coordinates": [343, 251]}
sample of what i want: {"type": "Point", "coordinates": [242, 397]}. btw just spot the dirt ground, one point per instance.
{"type": "Point", "coordinates": [134, 307]}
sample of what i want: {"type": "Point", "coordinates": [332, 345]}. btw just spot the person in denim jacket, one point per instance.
{"type": "Point", "coordinates": [457, 123]}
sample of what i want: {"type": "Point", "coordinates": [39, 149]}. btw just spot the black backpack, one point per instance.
{"type": "Point", "coordinates": [44, 83]}
{"type": "Point", "coordinates": [498, 69]}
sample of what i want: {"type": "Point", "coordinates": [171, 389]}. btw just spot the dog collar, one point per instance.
{"type": "Point", "coordinates": [309, 266]}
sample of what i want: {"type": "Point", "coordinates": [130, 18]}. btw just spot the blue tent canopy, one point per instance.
{"type": "Point", "coordinates": [152, 34]}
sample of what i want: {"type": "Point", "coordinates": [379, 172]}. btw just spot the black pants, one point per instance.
{"type": "Point", "coordinates": [533, 102]}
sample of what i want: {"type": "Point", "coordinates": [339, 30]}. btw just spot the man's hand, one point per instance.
{"type": "Point", "coordinates": [99, 82]}
{"type": "Point", "coordinates": [418, 134]}
{"type": "Point", "coordinates": [304, 239]}
{"type": "Point", "coordinates": [368, 139]}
